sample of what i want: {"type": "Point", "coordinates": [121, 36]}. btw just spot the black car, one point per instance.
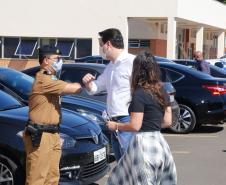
{"type": "Point", "coordinates": [201, 97]}
{"type": "Point", "coordinates": [84, 149]}
{"type": "Point", "coordinates": [19, 85]}
{"type": "Point", "coordinates": [92, 59]}
{"type": "Point", "coordinates": [99, 60]}
{"type": "Point", "coordinates": [75, 72]}
{"type": "Point", "coordinates": [214, 70]}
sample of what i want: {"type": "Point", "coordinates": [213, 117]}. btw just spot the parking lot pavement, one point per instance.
{"type": "Point", "coordinates": [200, 156]}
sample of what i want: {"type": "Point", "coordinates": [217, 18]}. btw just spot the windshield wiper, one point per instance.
{"type": "Point", "coordinates": [11, 107]}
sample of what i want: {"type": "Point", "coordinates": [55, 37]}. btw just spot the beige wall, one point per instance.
{"type": "Point", "coordinates": [80, 18]}
{"type": "Point", "coordinates": [85, 18]}
{"type": "Point", "coordinates": [209, 12]}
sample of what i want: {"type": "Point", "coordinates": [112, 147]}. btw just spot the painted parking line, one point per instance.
{"type": "Point", "coordinates": [180, 152]}
{"type": "Point", "coordinates": [191, 136]}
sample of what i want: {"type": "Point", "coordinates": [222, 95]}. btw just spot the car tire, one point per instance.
{"type": "Point", "coordinates": [186, 122]}
{"type": "Point", "coordinates": [12, 172]}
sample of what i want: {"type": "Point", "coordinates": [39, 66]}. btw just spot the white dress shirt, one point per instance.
{"type": "Point", "coordinates": [116, 80]}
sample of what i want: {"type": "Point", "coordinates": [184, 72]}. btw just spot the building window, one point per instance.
{"type": "Point", "coordinates": [27, 48]}
{"type": "Point", "coordinates": [136, 43]}
{"type": "Point", "coordinates": [47, 41]}
{"type": "Point", "coordinates": [10, 46]}
{"type": "Point", "coordinates": [84, 47]}
{"type": "Point", "coordinates": [66, 47]}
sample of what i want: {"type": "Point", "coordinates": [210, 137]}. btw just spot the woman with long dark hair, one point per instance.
{"type": "Point", "coordinates": [148, 160]}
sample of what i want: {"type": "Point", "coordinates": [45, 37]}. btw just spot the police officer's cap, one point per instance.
{"type": "Point", "coordinates": [49, 50]}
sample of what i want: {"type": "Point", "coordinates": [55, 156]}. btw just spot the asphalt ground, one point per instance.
{"type": "Point", "coordinates": [200, 156]}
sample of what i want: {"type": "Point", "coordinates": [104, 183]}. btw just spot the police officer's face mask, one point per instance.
{"type": "Point", "coordinates": [57, 67]}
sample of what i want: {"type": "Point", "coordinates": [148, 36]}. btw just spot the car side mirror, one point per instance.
{"type": "Point", "coordinates": [219, 64]}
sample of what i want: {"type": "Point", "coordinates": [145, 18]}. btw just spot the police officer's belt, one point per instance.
{"type": "Point", "coordinates": [45, 128]}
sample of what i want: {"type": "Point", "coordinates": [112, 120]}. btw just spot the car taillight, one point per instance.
{"type": "Point", "coordinates": [215, 90]}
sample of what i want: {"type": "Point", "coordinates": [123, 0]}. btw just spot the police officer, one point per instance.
{"type": "Point", "coordinates": [41, 137]}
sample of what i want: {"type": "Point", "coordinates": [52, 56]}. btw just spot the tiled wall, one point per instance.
{"type": "Point", "coordinates": [18, 64]}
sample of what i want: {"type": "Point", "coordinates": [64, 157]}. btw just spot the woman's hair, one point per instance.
{"type": "Point", "coordinates": [146, 74]}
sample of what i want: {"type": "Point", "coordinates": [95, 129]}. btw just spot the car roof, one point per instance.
{"type": "Point", "coordinates": [184, 69]}
{"type": "Point", "coordinates": [224, 56]}
{"type": "Point", "coordinates": [86, 64]}
{"type": "Point", "coordinates": [162, 59]}
{"type": "Point", "coordinates": [188, 60]}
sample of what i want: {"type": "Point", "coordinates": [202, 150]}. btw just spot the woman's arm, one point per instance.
{"type": "Point", "coordinates": [133, 126]}
{"type": "Point", "coordinates": [167, 119]}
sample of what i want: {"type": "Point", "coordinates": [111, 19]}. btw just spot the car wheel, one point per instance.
{"type": "Point", "coordinates": [10, 173]}
{"type": "Point", "coordinates": [186, 121]}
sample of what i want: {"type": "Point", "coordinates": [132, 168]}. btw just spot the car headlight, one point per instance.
{"type": "Point", "coordinates": [20, 133]}
{"type": "Point", "coordinates": [91, 116]}
{"type": "Point", "coordinates": [67, 141]}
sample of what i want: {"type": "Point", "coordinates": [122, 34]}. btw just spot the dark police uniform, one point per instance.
{"type": "Point", "coordinates": [42, 162]}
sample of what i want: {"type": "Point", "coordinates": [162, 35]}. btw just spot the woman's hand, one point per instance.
{"type": "Point", "coordinates": [112, 125]}
{"type": "Point", "coordinates": [133, 126]}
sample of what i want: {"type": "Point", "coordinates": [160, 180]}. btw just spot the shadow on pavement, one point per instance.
{"type": "Point", "coordinates": [209, 129]}
{"type": "Point", "coordinates": [202, 129]}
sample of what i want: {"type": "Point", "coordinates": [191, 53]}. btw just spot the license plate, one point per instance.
{"type": "Point", "coordinates": [99, 155]}
{"type": "Point", "coordinates": [171, 98]}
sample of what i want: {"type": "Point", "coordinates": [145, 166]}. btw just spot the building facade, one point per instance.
{"type": "Point", "coordinates": [172, 29]}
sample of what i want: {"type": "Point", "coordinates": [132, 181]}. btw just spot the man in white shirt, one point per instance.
{"type": "Point", "coordinates": [116, 81]}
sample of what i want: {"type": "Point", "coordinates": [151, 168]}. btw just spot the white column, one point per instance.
{"type": "Point", "coordinates": [199, 39]}
{"type": "Point", "coordinates": [75, 48]}
{"type": "Point", "coordinates": [171, 38]}
{"type": "Point", "coordinates": [126, 35]}
{"type": "Point", "coordinates": [220, 44]}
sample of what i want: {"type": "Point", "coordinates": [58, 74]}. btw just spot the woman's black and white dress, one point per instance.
{"type": "Point", "coordinates": [148, 160]}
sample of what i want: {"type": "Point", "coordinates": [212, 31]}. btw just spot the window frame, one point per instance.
{"type": "Point", "coordinates": [67, 40]}
{"type": "Point", "coordinates": [19, 44]}
{"type": "Point", "coordinates": [139, 43]}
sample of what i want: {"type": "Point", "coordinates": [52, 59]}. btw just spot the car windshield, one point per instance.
{"type": "Point", "coordinates": [8, 102]}
{"type": "Point", "coordinates": [18, 82]}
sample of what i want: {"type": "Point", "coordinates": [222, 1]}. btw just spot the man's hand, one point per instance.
{"type": "Point", "coordinates": [87, 80]}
